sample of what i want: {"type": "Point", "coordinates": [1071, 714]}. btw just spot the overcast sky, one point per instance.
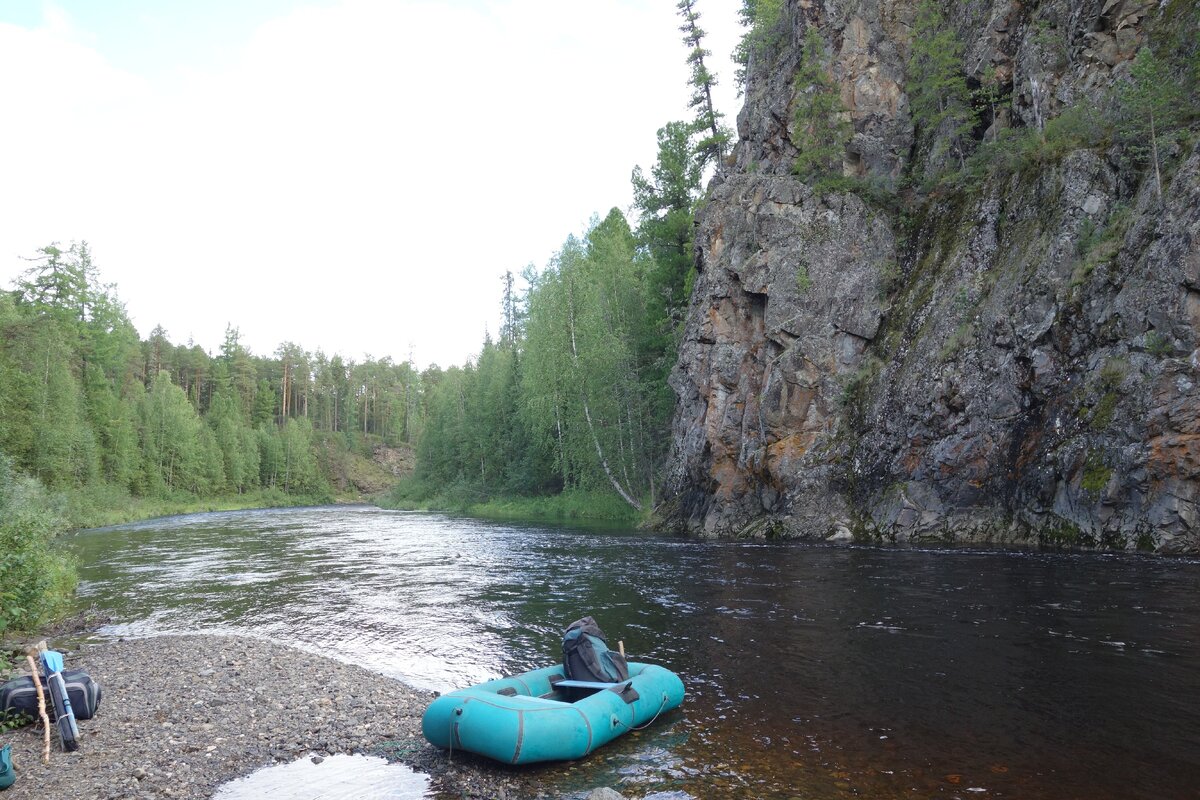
{"type": "Point", "coordinates": [350, 175]}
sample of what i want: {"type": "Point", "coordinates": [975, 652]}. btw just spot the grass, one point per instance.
{"type": "Point", "coordinates": [567, 506]}
{"type": "Point", "coordinates": [100, 506]}
{"type": "Point", "coordinates": [1096, 474]}
{"type": "Point", "coordinates": [573, 505]}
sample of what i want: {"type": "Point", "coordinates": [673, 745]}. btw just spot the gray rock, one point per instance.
{"type": "Point", "coordinates": [604, 793]}
{"type": "Point", "coordinates": [1021, 363]}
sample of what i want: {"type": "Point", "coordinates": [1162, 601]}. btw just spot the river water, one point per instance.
{"type": "Point", "coordinates": [812, 671]}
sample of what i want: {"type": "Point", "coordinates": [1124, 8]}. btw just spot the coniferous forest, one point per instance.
{"type": "Point", "coordinates": [99, 426]}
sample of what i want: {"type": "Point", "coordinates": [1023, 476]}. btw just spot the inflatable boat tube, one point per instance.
{"type": "Point", "coordinates": [540, 716]}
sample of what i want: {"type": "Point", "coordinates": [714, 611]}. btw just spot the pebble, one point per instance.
{"type": "Point", "coordinates": [162, 732]}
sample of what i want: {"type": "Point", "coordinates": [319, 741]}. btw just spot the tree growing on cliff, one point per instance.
{"type": "Point", "coordinates": [1152, 103]}
{"type": "Point", "coordinates": [714, 137]}
{"type": "Point", "coordinates": [938, 94]}
{"type": "Point", "coordinates": [763, 20]}
{"type": "Point", "coordinates": [820, 129]}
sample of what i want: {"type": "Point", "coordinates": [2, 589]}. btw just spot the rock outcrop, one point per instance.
{"type": "Point", "coordinates": [1015, 361]}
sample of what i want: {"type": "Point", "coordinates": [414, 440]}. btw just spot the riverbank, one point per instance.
{"type": "Point", "coordinates": [181, 715]}
{"type": "Point", "coordinates": [92, 508]}
{"type": "Point", "coordinates": [592, 508]}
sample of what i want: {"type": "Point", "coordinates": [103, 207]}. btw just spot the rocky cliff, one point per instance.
{"type": "Point", "coordinates": [1013, 359]}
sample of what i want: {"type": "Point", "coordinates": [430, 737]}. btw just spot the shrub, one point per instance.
{"type": "Point", "coordinates": [36, 579]}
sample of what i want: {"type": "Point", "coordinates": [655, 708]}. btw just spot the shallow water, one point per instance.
{"type": "Point", "coordinates": [812, 671]}
{"type": "Point", "coordinates": [338, 777]}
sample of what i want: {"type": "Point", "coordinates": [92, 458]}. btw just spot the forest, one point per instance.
{"type": "Point", "coordinates": [567, 412]}
{"type": "Point", "coordinates": [569, 405]}
{"type": "Point", "coordinates": [99, 426]}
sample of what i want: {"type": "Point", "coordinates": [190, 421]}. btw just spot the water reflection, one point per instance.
{"type": "Point", "coordinates": [812, 671]}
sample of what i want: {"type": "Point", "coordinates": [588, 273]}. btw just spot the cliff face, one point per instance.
{"type": "Point", "coordinates": [1014, 361]}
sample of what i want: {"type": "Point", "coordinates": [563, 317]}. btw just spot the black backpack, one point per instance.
{"type": "Point", "coordinates": [586, 656]}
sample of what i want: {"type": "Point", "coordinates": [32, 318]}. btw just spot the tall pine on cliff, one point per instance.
{"type": "Point", "coordinates": [714, 136]}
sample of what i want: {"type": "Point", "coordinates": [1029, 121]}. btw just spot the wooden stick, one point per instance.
{"type": "Point", "coordinates": [621, 647]}
{"type": "Point", "coordinates": [37, 684]}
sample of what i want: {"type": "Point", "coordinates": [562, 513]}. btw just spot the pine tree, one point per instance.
{"type": "Point", "coordinates": [939, 98]}
{"type": "Point", "coordinates": [820, 130]}
{"type": "Point", "coordinates": [714, 141]}
{"type": "Point", "coordinates": [1152, 104]}
{"type": "Point", "coordinates": [666, 201]}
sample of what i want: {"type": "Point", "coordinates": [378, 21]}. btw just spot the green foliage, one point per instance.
{"type": "Point", "coordinates": [714, 136]}
{"type": "Point", "coordinates": [1062, 534]}
{"type": "Point", "coordinates": [36, 578]}
{"type": "Point", "coordinates": [1159, 345]}
{"type": "Point", "coordinates": [765, 34]}
{"type": "Point", "coordinates": [941, 103]}
{"type": "Point", "coordinates": [667, 203]}
{"type": "Point", "coordinates": [1100, 245]}
{"type": "Point", "coordinates": [1112, 374]}
{"type": "Point", "coordinates": [1052, 42]}
{"type": "Point", "coordinates": [1105, 411]}
{"type": "Point", "coordinates": [11, 719]}
{"type": "Point", "coordinates": [963, 335]}
{"type": "Point", "coordinates": [113, 425]}
{"type": "Point", "coordinates": [858, 385]}
{"type": "Point", "coordinates": [1152, 105]}
{"type": "Point", "coordinates": [803, 280]}
{"type": "Point", "coordinates": [1017, 150]}
{"type": "Point", "coordinates": [577, 403]}
{"type": "Point", "coordinates": [1096, 474]}
{"type": "Point", "coordinates": [820, 130]}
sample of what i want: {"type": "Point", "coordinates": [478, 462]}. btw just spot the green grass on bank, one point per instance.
{"type": "Point", "coordinates": [98, 506]}
{"type": "Point", "coordinates": [459, 498]}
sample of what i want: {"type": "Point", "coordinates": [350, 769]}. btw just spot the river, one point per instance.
{"type": "Point", "coordinates": [813, 671]}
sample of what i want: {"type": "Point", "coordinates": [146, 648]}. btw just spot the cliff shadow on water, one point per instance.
{"type": "Point", "coordinates": [978, 319]}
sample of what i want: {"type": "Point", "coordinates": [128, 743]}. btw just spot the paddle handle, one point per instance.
{"type": "Point", "coordinates": [621, 647]}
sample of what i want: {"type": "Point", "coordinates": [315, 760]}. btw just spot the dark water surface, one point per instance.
{"type": "Point", "coordinates": [812, 671]}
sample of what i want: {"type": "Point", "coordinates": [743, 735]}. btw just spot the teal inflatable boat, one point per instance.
{"type": "Point", "coordinates": [541, 716]}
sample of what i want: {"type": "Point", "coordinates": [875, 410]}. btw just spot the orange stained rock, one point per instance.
{"type": "Point", "coordinates": [1175, 455]}
{"type": "Point", "coordinates": [782, 453]}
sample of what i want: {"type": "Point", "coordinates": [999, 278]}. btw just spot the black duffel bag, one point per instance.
{"type": "Point", "coordinates": [19, 696]}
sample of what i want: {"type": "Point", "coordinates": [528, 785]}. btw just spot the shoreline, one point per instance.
{"type": "Point", "coordinates": [180, 715]}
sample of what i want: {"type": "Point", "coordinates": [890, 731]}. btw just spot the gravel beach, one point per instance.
{"type": "Point", "coordinates": [181, 715]}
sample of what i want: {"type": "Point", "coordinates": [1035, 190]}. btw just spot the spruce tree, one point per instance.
{"type": "Point", "coordinates": [1152, 104]}
{"type": "Point", "coordinates": [819, 128]}
{"type": "Point", "coordinates": [938, 94]}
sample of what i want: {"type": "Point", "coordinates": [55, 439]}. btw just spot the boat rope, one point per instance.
{"type": "Point", "coordinates": [661, 706]}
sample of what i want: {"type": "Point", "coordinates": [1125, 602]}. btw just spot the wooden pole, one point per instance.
{"type": "Point", "coordinates": [37, 684]}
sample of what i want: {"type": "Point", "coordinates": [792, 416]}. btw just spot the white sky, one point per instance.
{"type": "Point", "coordinates": [350, 175]}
